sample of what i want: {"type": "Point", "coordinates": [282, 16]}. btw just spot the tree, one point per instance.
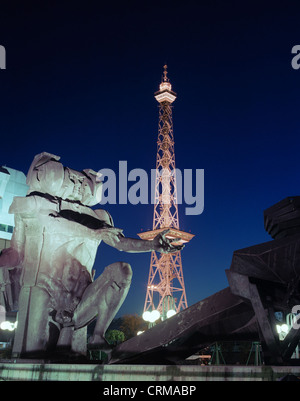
{"type": "Point", "coordinates": [131, 324]}
{"type": "Point", "coordinates": [115, 337]}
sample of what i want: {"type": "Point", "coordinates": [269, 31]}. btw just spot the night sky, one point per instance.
{"type": "Point", "coordinates": [79, 83]}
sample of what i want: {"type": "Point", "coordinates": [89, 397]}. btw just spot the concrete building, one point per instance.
{"type": "Point", "coordinates": [12, 183]}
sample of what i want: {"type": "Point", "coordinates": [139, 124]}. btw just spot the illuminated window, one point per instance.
{"type": "Point", "coordinates": [6, 228]}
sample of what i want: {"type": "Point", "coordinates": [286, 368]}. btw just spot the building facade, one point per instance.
{"type": "Point", "coordinates": [12, 183]}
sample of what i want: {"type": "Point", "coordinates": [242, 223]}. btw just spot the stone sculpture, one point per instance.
{"type": "Point", "coordinates": [54, 246]}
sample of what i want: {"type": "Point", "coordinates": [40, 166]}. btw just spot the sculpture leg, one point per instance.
{"type": "Point", "coordinates": [102, 299]}
{"type": "Point", "coordinates": [241, 285]}
{"type": "Point", "coordinates": [37, 335]}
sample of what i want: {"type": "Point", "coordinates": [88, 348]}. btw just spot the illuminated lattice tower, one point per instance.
{"type": "Point", "coordinates": [165, 289]}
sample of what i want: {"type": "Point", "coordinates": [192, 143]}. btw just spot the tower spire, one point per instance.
{"type": "Point", "coordinates": [166, 289]}
{"type": "Point", "coordinates": [165, 78]}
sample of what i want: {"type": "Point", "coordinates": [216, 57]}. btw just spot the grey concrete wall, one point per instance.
{"type": "Point", "coordinates": [90, 372]}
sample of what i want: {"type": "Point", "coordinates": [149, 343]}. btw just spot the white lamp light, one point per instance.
{"type": "Point", "coordinates": [6, 325]}
{"type": "Point", "coordinates": [282, 330]}
{"type": "Point", "coordinates": [151, 316]}
{"type": "Point", "coordinates": [146, 316]}
{"type": "Point", "coordinates": [154, 316]}
{"type": "Point", "coordinates": [171, 313]}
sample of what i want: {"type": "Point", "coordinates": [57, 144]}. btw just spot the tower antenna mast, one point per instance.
{"type": "Point", "coordinates": [166, 288]}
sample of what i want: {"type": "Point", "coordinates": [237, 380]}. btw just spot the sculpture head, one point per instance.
{"type": "Point", "coordinates": [47, 175]}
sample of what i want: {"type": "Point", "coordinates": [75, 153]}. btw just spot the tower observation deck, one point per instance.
{"type": "Point", "coordinates": [165, 288]}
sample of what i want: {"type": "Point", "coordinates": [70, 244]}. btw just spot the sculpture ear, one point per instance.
{"type": "Point", "coordinates": [95, 185]}
{"type": "Point", "coordinates": [90, 173]}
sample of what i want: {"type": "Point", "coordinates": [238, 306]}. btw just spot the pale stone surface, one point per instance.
{"type": "Point", "coordinates": [54, 245]}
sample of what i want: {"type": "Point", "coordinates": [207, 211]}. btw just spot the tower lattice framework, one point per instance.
{"type": "Point", "coordinates": [165, 288]}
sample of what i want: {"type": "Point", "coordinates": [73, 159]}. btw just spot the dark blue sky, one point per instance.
{"type": "Point", "coordinates": [79, 83]}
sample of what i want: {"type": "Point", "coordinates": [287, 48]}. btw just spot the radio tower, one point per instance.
{"type": "Point", "coordinates": [165, 289]}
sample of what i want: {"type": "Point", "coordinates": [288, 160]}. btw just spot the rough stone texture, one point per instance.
{"type": "Point", "coordinates": [222, 316]}
{"type": "Point", "coordinates": [267, 277]}
{"type": "Point", "coordinates": [54, 246]}
{"type": "Point", "coordinates": [262, 279]}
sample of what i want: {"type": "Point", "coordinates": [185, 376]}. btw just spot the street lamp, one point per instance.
{"type": "Point", "coordinates": [151, 316]}
{"type": "Point", "coordinates": [146, 316]}
{"type": "Point", "coordinates": [171, 313]}
{"type": "Point", "coordinates": [6, 325]}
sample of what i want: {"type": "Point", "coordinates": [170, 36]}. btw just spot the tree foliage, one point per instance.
{"type": "Point", "coordinates": [115, 336]}
{"type": "Point", "coordinates": [131, 324]}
